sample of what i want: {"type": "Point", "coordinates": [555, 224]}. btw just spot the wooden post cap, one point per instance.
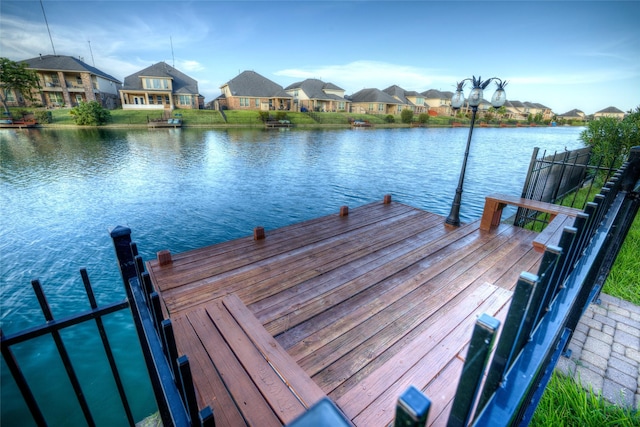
{"type": "Point", "coordinates": [387, 199]}
{"type": "Point", "coordinates": [164, 258]}
{"type": "Point", "coordinates": [344, 210]}
{"type": "Point", "coordinates": [258, 233]}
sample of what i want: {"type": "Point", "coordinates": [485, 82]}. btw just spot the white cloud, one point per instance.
{"type": "Point", "coordinates": [357, 75]}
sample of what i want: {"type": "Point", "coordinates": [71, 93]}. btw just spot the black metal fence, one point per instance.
{"type": "Point", "coordinates": [53, 328]}
{"type": "Point", "coordinates": [557, 177]}
{"type": "Point", "coordinates": [545, 310]}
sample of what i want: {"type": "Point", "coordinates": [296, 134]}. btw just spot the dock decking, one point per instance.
{"type": "Point", "coordinates": [361, 304]}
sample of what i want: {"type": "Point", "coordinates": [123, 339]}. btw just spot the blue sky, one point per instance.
{"type": "Point", "coordinates": [567, 54]}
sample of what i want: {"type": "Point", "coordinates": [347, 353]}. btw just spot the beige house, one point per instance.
{"type": "Point", "coordinates": [439, 102]}
{"type": "Point", "coordinates": [316, 95]}
{"type": "Point", "coordinates": [410, 99]}
{"type": "Point", "coordinates": [609, 112]}
{"type": "Point", "coordinates": [160, 87]}
{"type": "Point", "coordinates": [67, 81]}
{"type": "Point", "coordinates": [375, 101]}
{"type": "Point", "coordinates": [251, 91]}
{"type": "Point", "coordinates": [573, 116]}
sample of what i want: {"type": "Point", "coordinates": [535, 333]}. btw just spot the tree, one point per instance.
{"type": "Point", "coordinates": [611, 138]}
{"type": "Point", "coordinates": [16, 77]}
{"type": "Point", "coordinates": [90, 113]}
{"type": "Point", "coordinates": [406, 116]}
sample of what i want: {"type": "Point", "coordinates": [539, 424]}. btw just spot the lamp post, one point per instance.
{"type": "Point", "coordinates": [475, 98]}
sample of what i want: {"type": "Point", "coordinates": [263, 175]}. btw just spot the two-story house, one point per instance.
{"type": "Point", "coordinates": [251, 91]}
{"type": "Point", "coordinates": [410, 99]}
{"type": "Point", "coordinates": [67, 81]}
{"type": "Point", "coordinates": [160, 87]}
{"type": "Point", "coordinates": [316, 95]}
{"type": "Point", "coordinates": [439, 102]}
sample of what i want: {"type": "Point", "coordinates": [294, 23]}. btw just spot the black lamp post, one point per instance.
{"type": "Point", "coordinates": [475, 97]}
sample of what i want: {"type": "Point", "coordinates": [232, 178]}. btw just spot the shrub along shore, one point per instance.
{"type": "Point", "coordinates": [238, 118]}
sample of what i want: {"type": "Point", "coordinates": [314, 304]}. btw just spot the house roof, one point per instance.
{"type": "Point", "coordinates": [181, 82]}
{"type": "Point", "coordinates": [398, 93]}
{"type": "Point", "coordinates": [250, 83]}
{"type": "Point", "coordinates": [373, 95]}
{"type": "Point", "coordinates": [315, 89]}
{"type": "Point", "coordinates": [65, 63]}
{"type": "Point", "coordinates": [573, 113]}
{"type": "Point", "coordinates": [610, 110]}
{"type": "Point", "coordinates": [435, 94]}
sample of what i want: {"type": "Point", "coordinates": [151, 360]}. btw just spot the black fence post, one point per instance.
{"type": "Point", "coordinates": [479, 348]}
{"type": "Point", "coordinates": [412, 409]}
{"type": "Point", "coordinates": [121, 237]}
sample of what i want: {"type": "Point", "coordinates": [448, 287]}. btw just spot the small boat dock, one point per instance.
{"type": "Point", "coordinates": [356, 306]}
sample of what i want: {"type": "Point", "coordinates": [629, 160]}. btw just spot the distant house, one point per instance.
{"type": "Point", "coordinates": [251, 91]}
{"type": "Point", "coordinates": [374, 101]}
{"type": "Point", "coordinates": [515, 110]}
{"type": "Point", "coordinates": [609, 112]}
{"type": "Point", "coordinates": [439, 102]}
{"type": "Point", "coordinates": [67, 81]}
{"type": "Point", "coordinates": [316, 95]}
{"type": "Point", "coordinates": [160, 87]}
{"type": "Point", "coordinates": [573, 115]}
{"type": "Point", "coordinates": [410, 99]}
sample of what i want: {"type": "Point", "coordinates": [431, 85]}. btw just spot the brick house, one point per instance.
{"type": "Point", "coordinates": [316, 95]}
{"type": "Point", "coordinates": [251, 91]}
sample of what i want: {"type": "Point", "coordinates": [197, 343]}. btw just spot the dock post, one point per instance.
{"type": "Point", "coordinates": [258, 233]}
{"type": "Point", "coordinates": [164, 258]}
{"type": "Point", "coordinates": [344, 210]}
{"type": "Point", "coordinates": [387, 199]}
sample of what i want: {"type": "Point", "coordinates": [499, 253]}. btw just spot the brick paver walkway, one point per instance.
{"type": "Point", "coordinates": [605, 351]}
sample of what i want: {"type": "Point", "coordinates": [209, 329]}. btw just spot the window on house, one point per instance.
{"type": "Point", "coordinates": [166, 99]}
{"type": "Point", "coordinates": [10, 96]}
{"type": "Point", "coordinates": [185, 100]}
{"type": "Point", "coordinates": [156, 83]}
{"type": "Point", "coordinates": [244, 102]}
{"type": "Point", "coordinates": [55, 98]}
{"type": "Point", "coordinates": [159, 99]}
{"type": "Point", "coordinates": [257, 104]}
{"type": "Point", "coordinates": [341, 105]}
{"type": "Point", "coordinates": [370, 107]}
{"type": "Point", "coordinates": [380, 107]}
{"type": "Point", "coordinates": [79, 80]}
{"type": "Point", "coordinates": [79, 98]}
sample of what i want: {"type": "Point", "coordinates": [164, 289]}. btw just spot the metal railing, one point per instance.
{"type": "Point", "coordinates": [545, 310]}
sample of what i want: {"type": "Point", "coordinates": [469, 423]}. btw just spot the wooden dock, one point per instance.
{"type": "Point", "coordinates": [356, 306]}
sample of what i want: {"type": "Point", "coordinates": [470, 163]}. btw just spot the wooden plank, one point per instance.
{"type": "Point", "coordinates": [442, 390]}
{"type": "Point", "coordinates": [249, 401]}
{"type": "Point", "coordinates": [210, 389]}
{"type": "Point", "coordinates": [372, 290]}
{"type": "Point", "coordinates": [201, 263]}
{"type": "Point", "coordinates": [494, 204]}
{"type": "Point", "coordinates": [302, 386]}
{"type": "Point", "coordinates": [273, 268]}
{"type": "Point", "coordinates": [266, 380]}
{"type": "Point", "coordinates": [373, 397]}
{"type": "Point", "coordinates": [552, 232]}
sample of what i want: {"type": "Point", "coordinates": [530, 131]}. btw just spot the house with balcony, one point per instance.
{"type": "Point", "coordinates": [251, 91]}
{"type": "Point", "coordinates": [374, 101]}
{"type": "Point", "coordinates": [160, 87]}
{"type": "Point", "coordinates": [67, 81]}
{"type": "Point", "coordinates": [574, 115]}
{"type": "Point", "coordinates": [609, 112]}
{"type": "Point", "coordinates": [316, 95]}
{"type": "Point", "coordinates": [410, 99]}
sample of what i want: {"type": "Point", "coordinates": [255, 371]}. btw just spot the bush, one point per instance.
{"type": "Point", "coordinates": [264, 115]}
{"type": "Point", "coordinates": [90, 113]}
{"type": "Point", "coordinates": [406, 116]}
{"type": "Point", "coordinates": [611, 139]}
{"type": "Point", "coordinates": [423, 118]}
{"type": "Point", "coordinates": [390, 119]}
{"type": "Point", "coordinates": [281, 115]}
{"type": "Point", "coordinates": [43, 116]}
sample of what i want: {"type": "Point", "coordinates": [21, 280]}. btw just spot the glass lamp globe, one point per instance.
{"type": "Point", "coordinates": [457, 100]}
{"type": "Point", "coordinates": [499, 98]}
{"type": "Point", "coordinates": [475, 97]}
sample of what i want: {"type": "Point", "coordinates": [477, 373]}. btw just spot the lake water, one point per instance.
{"type": "Point", "coordinates": [61, 191]}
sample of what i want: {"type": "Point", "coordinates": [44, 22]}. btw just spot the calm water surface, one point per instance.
{"type": "Point", "coordinates": [61, 191]}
